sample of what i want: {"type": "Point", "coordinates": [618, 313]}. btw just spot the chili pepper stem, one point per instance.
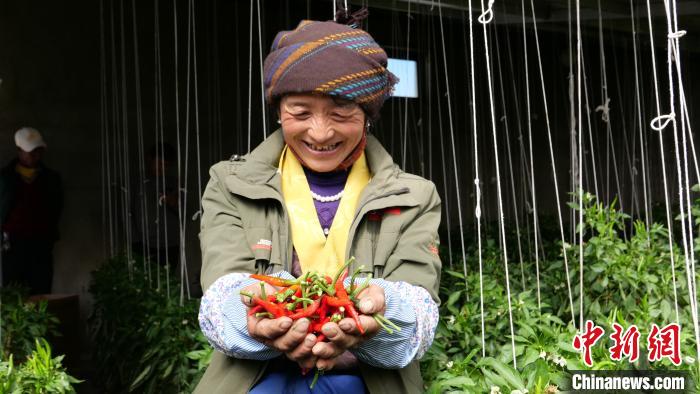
{"type": "Point", "coordinates": [343, 268]}
{"type": "Point", "coordinates": [246, 294]}
{"type": "Point", "coordinates": [382, 325]}
{"type": "Point", "coordinates": [358, 290]}
{"type": "Point", "coordinates": [379, 317]}
{"type": "Point", "coordinates": [354, 276]}
{"type": "Point", "coordinates": [316, 375]}
{"type": "Point", "coordinates": [263, 294]}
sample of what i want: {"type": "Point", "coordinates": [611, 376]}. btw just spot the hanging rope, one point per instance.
{"type": "Point", "coordinates": [510, 165]}
{"type": "Point", "coordinates": [477, 210]}
{"type": "Point", "coordinates": [672, 54]}
{"type": "Point", "coordinates": [639, 119]}
{"type": "Point", "coordinates": [580, 158]}
{"type": "Point", "coordinates": [262, 85]}
{"type": "Point", "coordinates": [554, 167]}
{"type": "Point", "coordinates": [532, 164]}
{"type": "Point", "coordinates": [498, 184]}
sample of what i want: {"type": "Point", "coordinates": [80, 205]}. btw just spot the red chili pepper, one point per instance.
{"type": "Point", "coordinates": [275, 309]}
{"type": "Point", "coordinates": [274, 281]}
{"type": "Point", "coordinates": [355, 316]}
{"type": "Point", "coordinates": [306, 312]}
{"type": "Point", "coordinates": [349, 307]}
{"type": "Point", "coordinates": [323, 309]}
{"type": "Point", "coordinates": [340, 287]}
{"type": "Point", "coordinates": [255, 309]}
{"type": "Point", "coordinates": [329, 280]}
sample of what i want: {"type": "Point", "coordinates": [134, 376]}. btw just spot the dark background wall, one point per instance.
{"type": "Point", "coordinates": [70, 69]}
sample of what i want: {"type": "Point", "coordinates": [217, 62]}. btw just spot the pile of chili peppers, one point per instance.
{"type": "Point", "coordinates": [319, 298]}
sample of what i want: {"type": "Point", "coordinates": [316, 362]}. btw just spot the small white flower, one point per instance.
{"type": "Point", "coordinates": [449, 364]}
{"type": "Point", "coordinates": [516, 392]}
{"type": "Point", "coordinates": [689, 360]}
{"type": "Point", "coordinates": [495, 390]}
{"type": "Point", "coordinates": [184, 322]}
{"type": "Point", "coordinates": [451, 320]}
{"type": "Point", "coordinates": [543, 355]}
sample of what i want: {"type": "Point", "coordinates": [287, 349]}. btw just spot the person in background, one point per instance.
{"type": "Point", "coordinates": [31, 201]}
{"type": "Point", "coordinates": [155, 208]}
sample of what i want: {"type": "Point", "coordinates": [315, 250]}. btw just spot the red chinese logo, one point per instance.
{"type": "Point", "coordinates": [584, 342]}
{"type": "Point", "coordinates": [665, 343]}
{"type": "Point", "coordinates": [626, 343]}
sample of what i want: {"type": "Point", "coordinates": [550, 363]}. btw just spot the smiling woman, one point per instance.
{"type": "Point", "coordinates": [325, 133]}
{"type": "Point", "coordinates": [313, 194]}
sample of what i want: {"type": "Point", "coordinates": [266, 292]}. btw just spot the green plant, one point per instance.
{"type": "Point", "coordinates": [22, 322]}
{"type": "Point", "coordinates": [147, 341]}
{"type": "Point", "coordinates": [39, 374]}
{"type": "Point", "coordinates": [628, 280]}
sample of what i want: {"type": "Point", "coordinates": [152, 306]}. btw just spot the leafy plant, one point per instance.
{"type": "Point", "coordinates": [22, 322]}
{"type": "Point", "coordinates": [40, 374]}
{"type": "Point", "coordinates": [147, 341]}
{"type": "Point", "coordinates": [628, 280]}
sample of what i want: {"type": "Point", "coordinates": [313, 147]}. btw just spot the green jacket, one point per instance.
{"type": "Point", "coordinates": [394, 234]}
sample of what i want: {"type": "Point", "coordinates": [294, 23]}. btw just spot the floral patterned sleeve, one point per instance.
{"type": "Point", "coordinates": [223, 320]}
{"type": "Point", "coordinates": [414, 311]}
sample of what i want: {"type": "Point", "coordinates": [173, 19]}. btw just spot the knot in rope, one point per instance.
{"type": "Point", "coordinates": [197, 215]}
{"type": "Point", "coordinates": [477, 211]}
{"type": "Point", "coordinates": [160, 200]}
{"type": "Point", "coordinates": [605, 108]}
{"type": "Point", "coordinates": [657, 124]}
{"type": "Point", "coordinates": [487, 16]}
{"type": "Point", "coordinates": [677, 34]}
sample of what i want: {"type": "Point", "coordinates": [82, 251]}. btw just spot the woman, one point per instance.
{"type": "Point", "coordinates": [313, 194]}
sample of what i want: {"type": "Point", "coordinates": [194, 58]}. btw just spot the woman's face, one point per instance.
{"type": "Point", "coordinates": [323, 131]}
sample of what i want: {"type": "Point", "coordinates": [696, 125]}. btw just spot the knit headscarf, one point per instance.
{"type": "Point", "coordinates": [332, 59]}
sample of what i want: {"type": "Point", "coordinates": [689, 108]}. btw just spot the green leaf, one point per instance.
{"type": "Point", "coordinates": [505, 371]}
{"type": "Point", "coordinates": [140, 378]}
{"type": "Point", "coordinates": [459, 381]}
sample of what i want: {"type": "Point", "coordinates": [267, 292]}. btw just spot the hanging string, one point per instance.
{"type": "Point", "coordinates": [532, 164]}
{"type": "Point", "coordinates": [106, 180]}
{"type": "Point", "coordinates": [580, 158]}
{"type": "Point", "coordinates": [126, 174]}
{"type": "Point", "coordinates": [197, 214]}
{"type": "Point", "coordinates": [510, 165]}
{"type": "Point", "coordinates": [250, 75]}
{"type": "Point", "coordinates": [573, 153]}
{"type": "Point", "coordinates": [405, 100]}
{"type": "Point", "coordinates": [160, 148]}
{"type": "Point", "coordinates": [446, 200]}
{"type": "Point", "coordinates": [454, 156]}
{"type": "Point", "coordinates": [477, 210]}
{"type": "Point", "coordinates": [262, 85]}
{"type": "Point", "coordinates": [182, 192]}
{"type": "Point", "coordinates": [685, 126]}
{"type": "Point", "coordinates": [606, 112]}
{"type": "Point", "coordinates": [639, 120]}
{"type": "Point", "coordinates": [673, 55]}
{"type": "Point", "coordinates": [525, 170]}
{"type": "Point", "coordinates": [498, 184]}
{"type": "Point", "coordinates": [142, 167]}
{"type": "Point", "coordinates": [554, 167]}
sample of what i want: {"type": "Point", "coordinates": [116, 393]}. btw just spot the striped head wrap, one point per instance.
{"type": "Point", "coordinates": [332, 59]}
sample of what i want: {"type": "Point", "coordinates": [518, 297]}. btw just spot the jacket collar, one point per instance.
{"type": "Point", "coordinates": [256, 176]}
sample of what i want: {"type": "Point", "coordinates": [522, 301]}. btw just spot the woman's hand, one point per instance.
{"type": "Point", "coordinates": [282, 334]}
{"type": "Point", "coordinates": [345, 334]}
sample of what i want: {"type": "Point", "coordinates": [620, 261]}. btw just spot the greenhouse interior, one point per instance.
{"type": "Point", "coordinates": [456, 196]}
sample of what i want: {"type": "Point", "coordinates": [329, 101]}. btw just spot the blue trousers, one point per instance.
{"type": "Point", "coordinates": [293, 382]}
